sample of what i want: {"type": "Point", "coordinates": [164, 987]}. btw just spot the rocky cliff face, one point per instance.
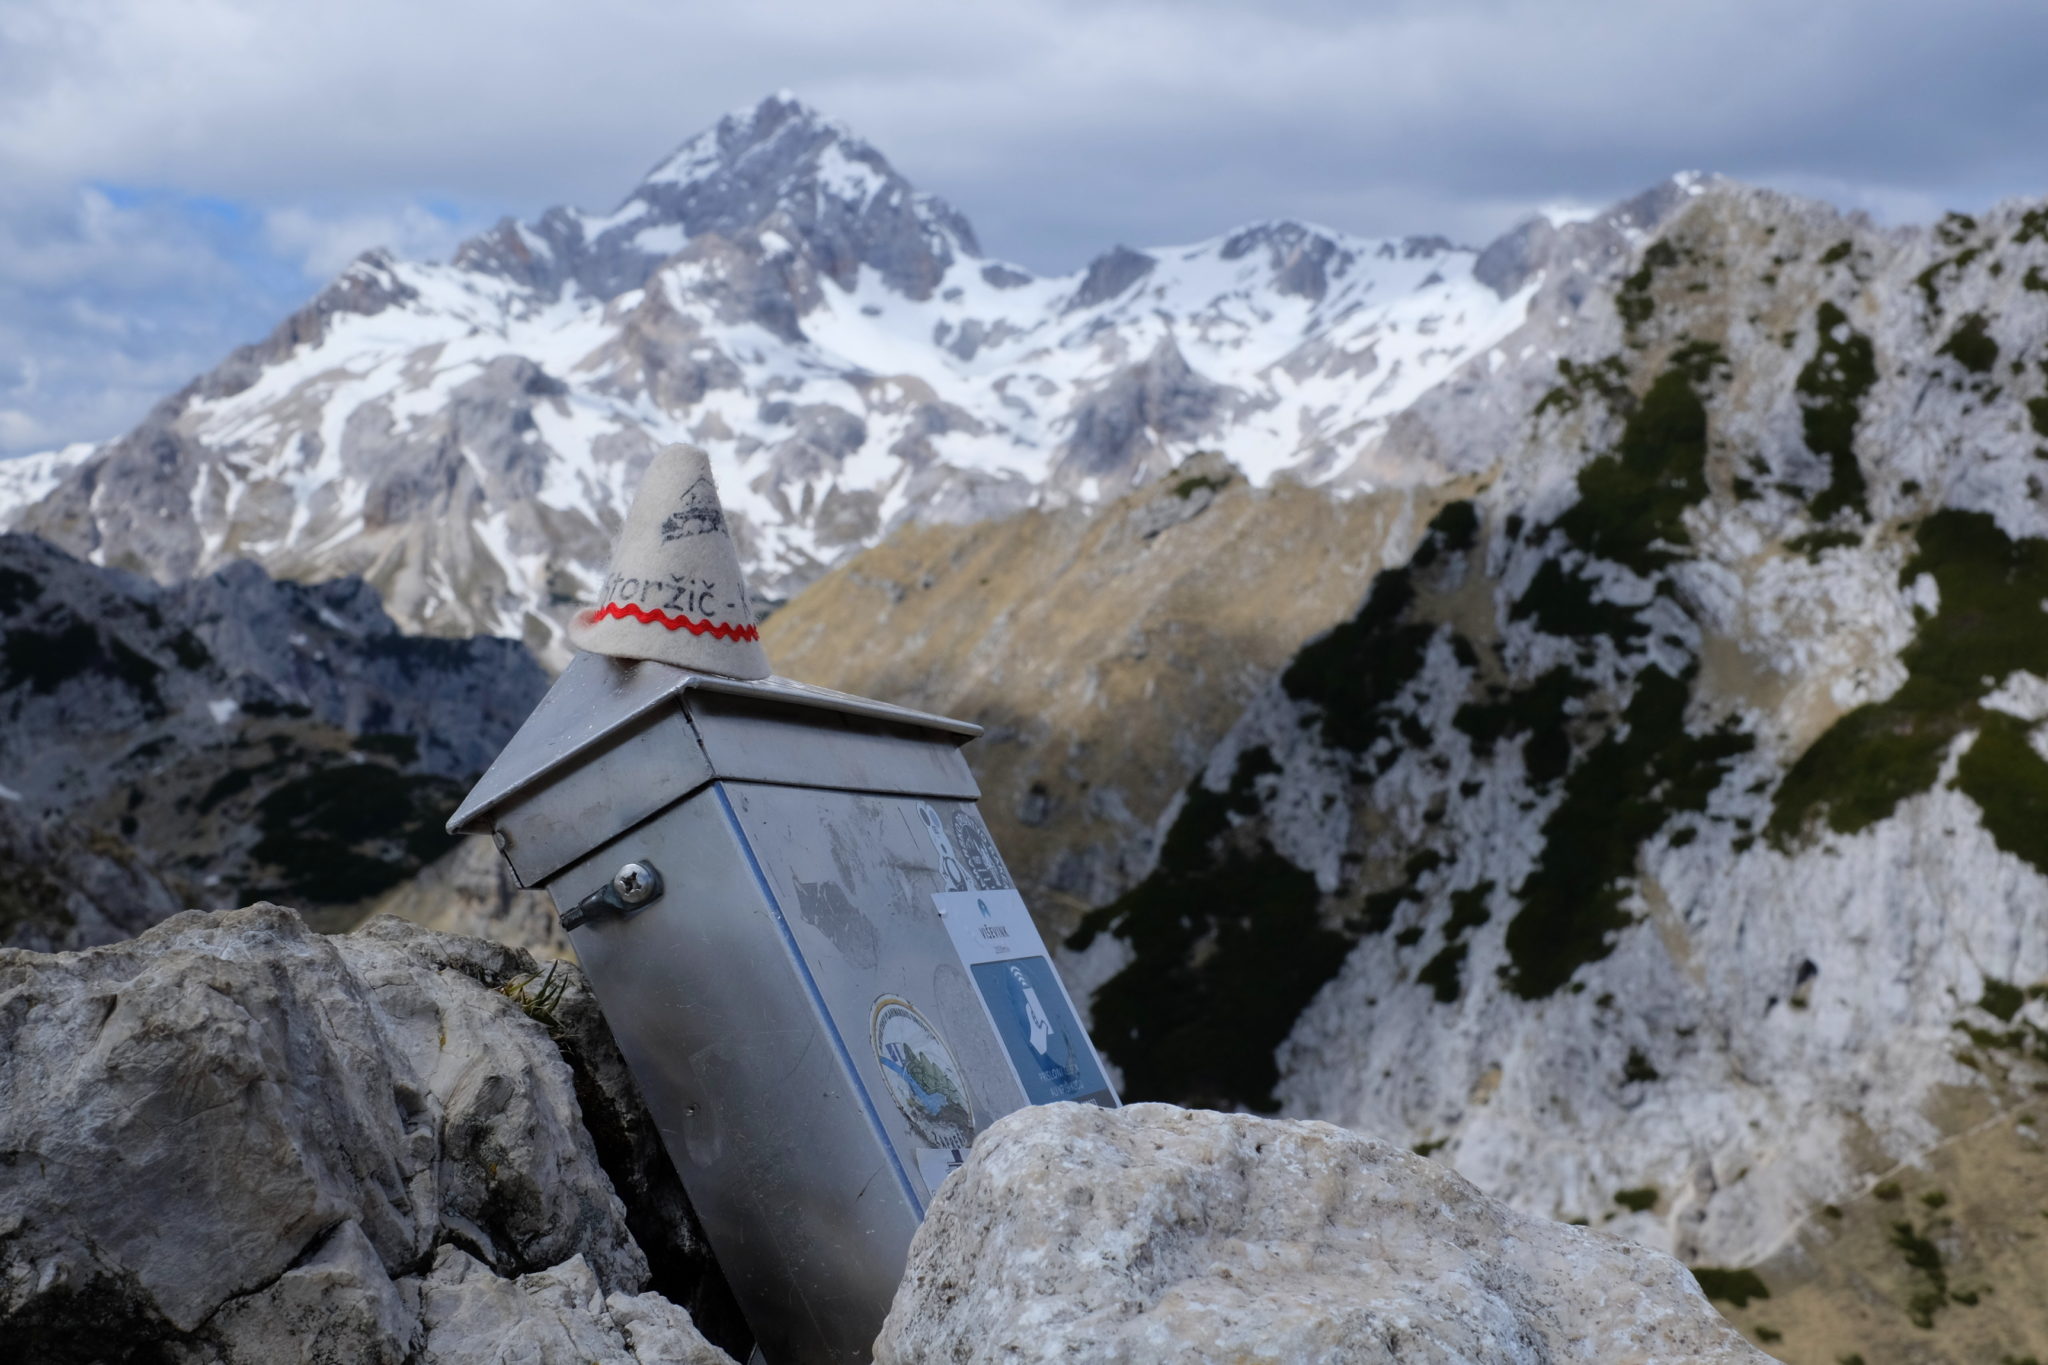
{"type": "Point", "coordinates": [465, 436]}
{"type": "Point", "coordinates": [1662, 844]}
{"type": "Point", "coordinates": [1107, 648]}
{"type": "Point", "coordinates": [163, 747]}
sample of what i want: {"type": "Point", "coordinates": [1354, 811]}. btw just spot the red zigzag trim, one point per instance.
{"type": "Point", "coordinates": [717, 630]}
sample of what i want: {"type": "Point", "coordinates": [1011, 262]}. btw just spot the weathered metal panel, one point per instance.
{"type": "Point", "coordinates": [835, 986]}
{"type": "Point", "coordinates": [746, 739]}
{"type": "Point", "coordinates": [601, 791]}
{"type": "Point", "coordinates": [857, 872]}
{"type": "Point", "coordinates": [782, 1152]}
{"type": "Point", "coordinates": [597, 697]}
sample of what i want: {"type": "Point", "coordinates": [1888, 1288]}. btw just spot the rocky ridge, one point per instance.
{"type": "Point", "coordinates": [1108, 647]}
{"type": "Point", "coordinates": [224, 738]}
{"type": "Point", "coordinates": [464, 436]}
{"type": "Point", "coordinates": [1661, 845]}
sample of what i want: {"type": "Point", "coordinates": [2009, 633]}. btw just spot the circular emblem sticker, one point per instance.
{"type": "Point", "coordinates": [922, 1076]}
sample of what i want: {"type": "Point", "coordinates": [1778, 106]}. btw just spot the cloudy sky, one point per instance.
{"type": "Point", "coordinates": [176, 174]}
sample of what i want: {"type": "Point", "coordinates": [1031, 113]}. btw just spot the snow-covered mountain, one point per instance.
{"type": "Point", "coordinates": [465, 435]}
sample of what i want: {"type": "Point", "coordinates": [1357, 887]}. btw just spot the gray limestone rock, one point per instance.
{"type": "Point", "coordinates": [558, 1316]}
{"type": "Point", "coordinates": [62, 886]}
{"type": "Point", "coordinates": [337, 1306]}
{"type": "Point", "coordinates": [832, 194]}
{"type": "Point", "coordinates": [233, 1139]}
{"type": "Point", "coordinates": [1303, 261]}
{"type": "Point", "coordinates": [1118, 432]}
{"type": "Point", "coordinates": [1109, 275]}
{"type": "Point", "coordinates": [1154, 1233]}
{"type": "Point", "coordinates": [470, 890]}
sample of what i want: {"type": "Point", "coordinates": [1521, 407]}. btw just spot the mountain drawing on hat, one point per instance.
{"type": "Point", "coordinates": [699, 514]}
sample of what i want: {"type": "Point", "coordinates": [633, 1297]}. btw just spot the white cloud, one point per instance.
{"type": "Point", "coordinates": [321, 245]}
{"type": "Point", "coordinates": [106, 306]}
{"type": "Point", "coordinates": [1078, 123]}
{"type": "Point", "coordinates": [21, 432]}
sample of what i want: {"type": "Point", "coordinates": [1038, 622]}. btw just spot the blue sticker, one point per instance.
{"type": "Point", "coordinates": [1045, 1041]}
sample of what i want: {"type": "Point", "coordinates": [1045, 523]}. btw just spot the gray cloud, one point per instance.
{"type": "Point", "coordinates": [1058, 126]}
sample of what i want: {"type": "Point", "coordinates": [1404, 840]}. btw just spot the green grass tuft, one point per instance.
{"type": "Point", "coordinates": [1633, 300]}
{"type": "Point", "coordinates": [1971, 346]}
{"type": "Point", "coordinates": [1632, 503]}
{"type": "Point", "coordinates": [1620, 795]}
{"type": "Point", "coordinates": [1831, 388]}
{"type": "Point", "coordinates": [1990, 625]}
{"type": "Point", "coordinates": [1228, 947]}
{"type": "Point", "coordinates": [2001, 999]}
{"type": "Point", "coordinates": [1736, 1287]}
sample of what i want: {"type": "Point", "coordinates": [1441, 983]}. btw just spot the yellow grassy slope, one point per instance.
{"type": "Point", "coordinates": [1106, 653]}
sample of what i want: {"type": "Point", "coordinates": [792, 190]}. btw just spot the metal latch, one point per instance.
{"type": "Point", "coordinates": [635, 886]}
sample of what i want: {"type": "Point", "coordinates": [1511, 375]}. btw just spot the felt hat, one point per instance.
{"type": "Point", "coordinates": [675, 592]}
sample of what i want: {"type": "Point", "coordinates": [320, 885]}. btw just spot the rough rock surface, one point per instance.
{"type": "Point", "coordinates": [1154, 1233]}
{"type": "Point", "coordinates": [557, 1316]}
{"type": "Point", "coordinates": [61, 886]}
{"type": "Point", "coordinates": [235, 1139]}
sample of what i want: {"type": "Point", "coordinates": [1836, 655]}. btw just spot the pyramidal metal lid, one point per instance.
{"type": "Point", "coordinates": [597, 696]}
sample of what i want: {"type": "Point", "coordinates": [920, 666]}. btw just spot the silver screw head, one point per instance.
{"type": "Point", "coordinates": [634, 883]}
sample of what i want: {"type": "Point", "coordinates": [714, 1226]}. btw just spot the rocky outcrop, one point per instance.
{"type": "Point", "coordinates": [233, 1139]}
{"type": "Point", "coordinates": [225, 739]}
{"type": "Point", "coordinates": [1154, 1233]}
{"type": "Point", "coordinates": [64, 887]}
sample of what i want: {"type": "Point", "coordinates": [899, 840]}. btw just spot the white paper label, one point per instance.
{"type": "Point", "coordinates": [988, 926]}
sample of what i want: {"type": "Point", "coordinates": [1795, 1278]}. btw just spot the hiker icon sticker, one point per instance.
{"type": "Point", "coordinates": [923, 1078]}
{"type": "Point", "coordinates": [1044, 1040]}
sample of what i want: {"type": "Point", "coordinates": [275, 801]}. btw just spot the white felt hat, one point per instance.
{"type": "Point", "coordinates": [675, 591]}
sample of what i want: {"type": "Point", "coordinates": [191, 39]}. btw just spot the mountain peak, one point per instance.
{"type": "Point", "coordinates": [779, 164]}
{"type": "Point", "coordinates": [781, 128]}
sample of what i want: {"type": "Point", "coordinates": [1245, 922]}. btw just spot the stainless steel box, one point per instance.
{"type": "Point", "coordinates": [836, 985]}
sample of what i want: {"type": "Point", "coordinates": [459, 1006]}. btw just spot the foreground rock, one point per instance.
{"type": "Point", "coordinates": [233, 1139]}
{"type": "Point", "coordinates": [1155, 1233]}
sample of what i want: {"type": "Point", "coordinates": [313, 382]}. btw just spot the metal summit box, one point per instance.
{"type": "Point", "coordinates": [810, 953]}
